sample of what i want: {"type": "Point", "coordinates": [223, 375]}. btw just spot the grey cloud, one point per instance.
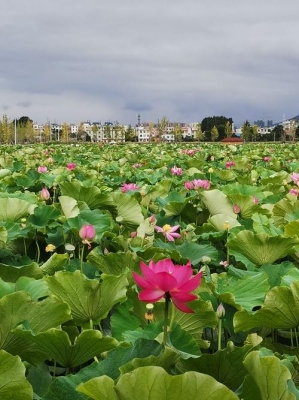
{"type": "Point", "coordinates": [185, 60]}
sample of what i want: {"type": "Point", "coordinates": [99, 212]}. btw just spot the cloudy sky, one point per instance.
{"type": "Point", "coordinates": [101, 60]}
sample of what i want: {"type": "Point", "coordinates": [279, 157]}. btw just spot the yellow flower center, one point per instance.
{"type": "Point", "coordinates": [50, 248]}
{"type": "Point", "coordinates": [166, 228]}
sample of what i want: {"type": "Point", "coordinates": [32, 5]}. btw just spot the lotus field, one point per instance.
{"type": "Point", "coordinates": [139, 271]}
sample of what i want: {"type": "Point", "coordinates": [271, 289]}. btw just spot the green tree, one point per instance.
{"type": "Point", "coordinates": [254, 133]}
{"type": "Point", "coordinates": [95, 130]}
{"type": "Point", "coordinates": [209, 122]}
{"type": "Point", "coordinates": [162, 125]}
{"type": "Point", "coordinates": [151, 129]}
{"type": "Point", "coordinates": [29, 131]}
{"type": "Point", "coordinates": [246, 131]}
{"type": "Point", "coordinates": [65, 132]}
{"type": "Point", "coordinates": [214, 134]}
{"type": "Point", "coordinates": [6, 130]}
{"type": "Point", "coordinates": [81, 131]}
{"type": "Point", "coordinates": [47, 132]}
{"type": "Point", "coordinates": [277, 133]}
{"type": "Point", "coordinates": [177, 132]}
{"type": "Point", "coordinates": [228, 129]}
{"type": "Point", "coordinates": [129, 134]}
{"type": "Point", "coordinates": [199, 133]}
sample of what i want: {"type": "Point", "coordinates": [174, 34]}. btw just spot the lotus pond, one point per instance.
{"type": "Point", "coordinates": [149, 272]}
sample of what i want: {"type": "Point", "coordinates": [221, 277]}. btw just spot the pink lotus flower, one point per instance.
{"type": "Point", "coordinates": [50, 160]}
{"type": "Point", "coordinates": [229, 164]}
{"type": "Point", "coordinates": [236, 209]}
{"type": "Point", "coordinates": [267, 159]}
{"type": "Point", "coordinates": [201, 183]}
{"type": "Point", "coordinates": [165, 277]}
{"type": "Point", "coordinates": [189, 185]}
{"type": "Point", "coordinates": [224, 263]}
{"type": "Point", "coordinates": [295, 192]}
{"type": "Point", "coordinates": [190, 152]}
{"type": "Point", "coordinates": [125, 187]}
{"type": "Point", "coordinates": [169, 232]}
{"type": "Point", "coordinates": [176, 171]}
{"type": "Point", "coordinates": [255, 200]}
{"type": "Point", "coordinates": [295, 178]}
{"type": "Point", "coordinates": [137, 165]}
{"type": "Point", "coordinates": [42, 169]}
{"type": "Point", "coordinates": [71, 166]}
{"type": "Point", "coordinates": [87, 233]}
{"type": "Point", "coordinates": [44, 194]}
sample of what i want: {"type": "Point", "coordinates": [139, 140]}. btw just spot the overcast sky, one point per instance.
{"type": "Point", "coordinates": [101, 60]}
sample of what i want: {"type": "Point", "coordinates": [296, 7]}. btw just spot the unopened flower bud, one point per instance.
{"type": "Point", "coordinates": [44, 194]}
{"type": "Point", "coordinates": [220, 311]}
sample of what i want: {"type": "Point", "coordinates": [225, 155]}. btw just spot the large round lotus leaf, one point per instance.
{"type": "Point", "coordinates": [152, 383]}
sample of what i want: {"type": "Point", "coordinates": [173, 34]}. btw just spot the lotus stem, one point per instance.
{"type": "Point", "coordinates": [292, 342]}
{"type": "Point", "coordinates": [90, 324]}
{"type": "Point", "coordinates": [81, 259]}
{"type": "Point", "coordinates": [37, 251]}
{"type": "Point", "coordinates": [167, 301]}
{"type": "Point", "coordinates": [219, 333]}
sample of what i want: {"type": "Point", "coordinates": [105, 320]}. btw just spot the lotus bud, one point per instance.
{"type": "Point", "coordinates": [44, 194]}
{"type": "Point", "coordinates": [220, 311]}
{"type": "Point", "coordinates": [87, 233]}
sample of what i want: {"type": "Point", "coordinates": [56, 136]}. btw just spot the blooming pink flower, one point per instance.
{"type": "Point", "coordinates": [229, 164]}
{"type": "Point", "coordinates": [267, 159]}
{"type": "Point", "coordinates": [236, 209]}
{"type": "Point", "coordinates": [201, 183]}
{"type": "Point", "coordinates": [71, 166]}
{"type": "Point", "coordinates": [87, 233]}
{"type": "Point", "coordinates": [137, 165]}
{"type": "Point", "coordinates": [41, 169]}
{"type": "Point", "coordinates": [166, 277]}
{"type": "Point", "coordinates": [176, 171]}
{"type": "Point", "coordinates": [190, 152]}
{"type": "Point", "coordinates": [295, 178]}
{"type": "Point", "coordinates": [44, 194]}
{"type": "Point", "coordinates": [125, 187]}
{"type": "Point", "coordinates": [189, 185]}
{"type": "Point", "coordinates": [169, 232]}
{"type": "Point", "coordinates": [224, 263]}
{"type": "Point", "coordinates": [255, 200]}
{"type": "Point", "coordinates": [50, 160]}
{"type": "Point", "coordinates": [294, 192]}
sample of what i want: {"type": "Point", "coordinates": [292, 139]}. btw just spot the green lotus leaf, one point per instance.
{"type": "Point", "coordinates": [113, 263]}
{"type": "Point", "coordinates": [270, 376]}
{"type": "Point", "coordinates": [292, 229]}
{"type": "Point", "coordinates": [10, 273]}
{"type": "Point", "coordinates": [174, 208]}
{"type": "Point", "coordinates": [57, 345]}
{"type": "Point", "coordinates": [246, 204]}
{"type": "Point", "coordinates": [246, 293]}
{"type": "Point", "coordinates": [13, 383]}
{"type": "Point", "coordinates": [276, 178]}
{"type": "Point", "coordinates": [279, 311]}
{"type": "Point", "coordinates": [3, 234]}
{"type": "Point", "coordinates": [167, 359]}
{"type": "Point", "coordinates": [218, 203]}
{"type": "Point", "coordinates": [151, 383]}
{"type": "Point", "coordinates": [55, 263]}
{"type": "Point", "coordinates": [13, 309]}
{"type": "Point", "coordinates": [69, 206]}
{"type": "Point", "coordinates": [128, 210]}
{"type": "Point", "coordinates": [262, 223]}
{"type": "Point", "coordinates": [12, 209]}
{"type": "Point", "coordinates": [88, 299]}
{"type": "Point", "coordinates": [92, 196]}
{"type": "Point", "coordinates": [4, 172]}
{"type": "Point", "coordinates": [40, 378]}
{"type": "Point", "coordinates": [220, 221]}
{"type": "Point", "coordinates": [261, 248]}
{"type": "Point", "coordinates": [183, 342]}
{"type": "Point", "coordinates": [225, 175]}
{"type": "Point", "coordinates": [36, 288]}
{"type": "Point", "coordinates": [43, 216]}
{"type": "Point", "coordinates": [281, 209]}
{"type": "Point", "coordinates": [226, 366]}
{"type": "Point", "coordinates": [42, 315]}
